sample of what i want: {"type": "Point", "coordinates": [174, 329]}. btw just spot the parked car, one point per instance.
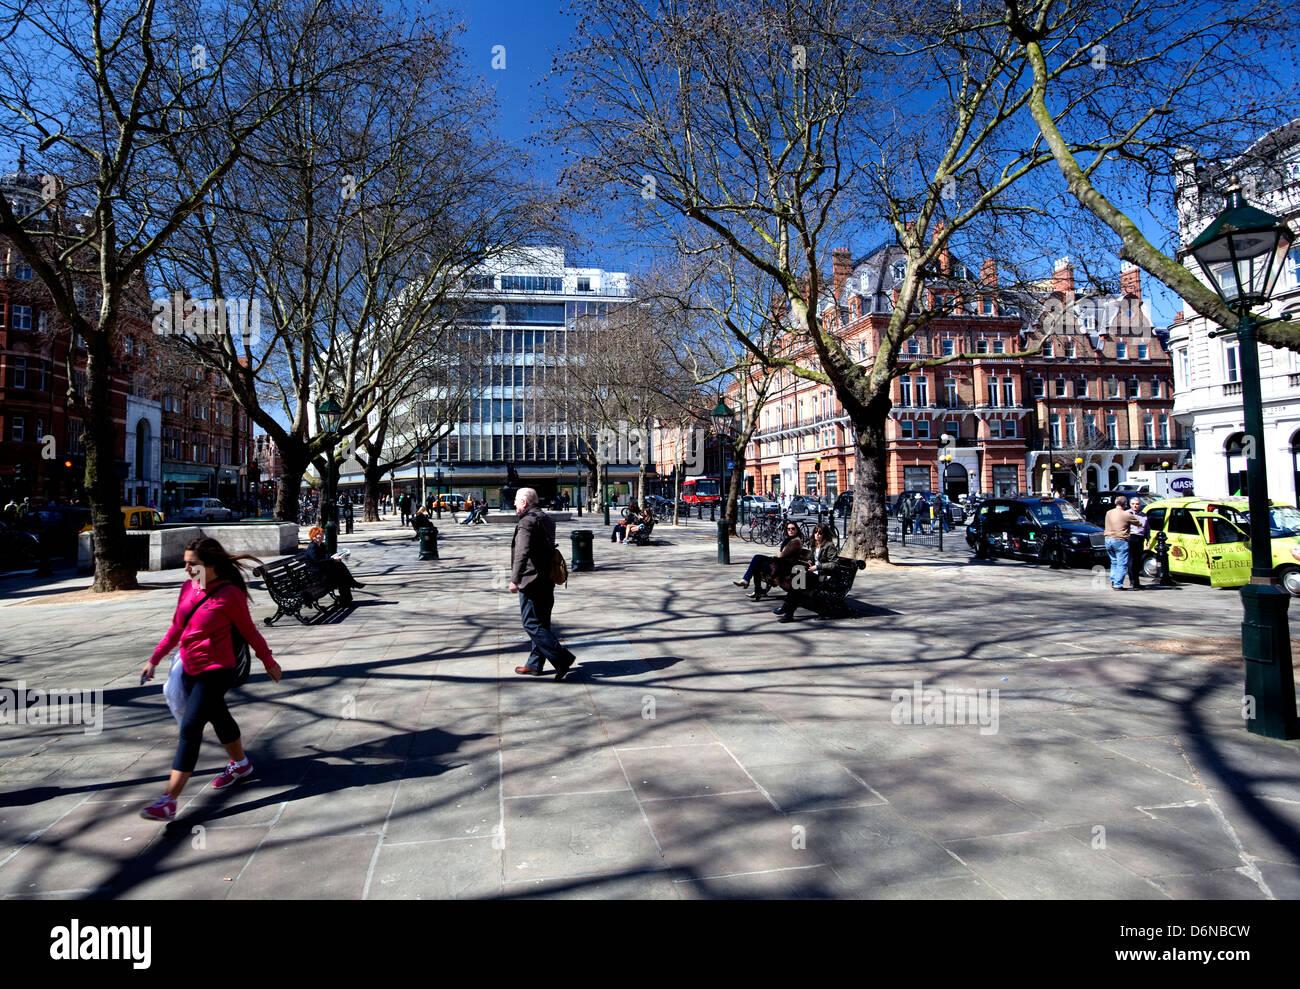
{"type": "Point", "coordinates": [1210, 538]}
{"type": "Point", "coordinates": [19, 550]}
{"type": "Point", "coordinates": [57, 527]}
{"type": "Point", "coordinates": [136, 517]}
{"type": "Point", "coordinates": [1047, 529]}
{"type": "Point", "coordinates": [758, 503]}
{"type": "Point", "coordinates": [449, 503]}
{"type": "Point", "coordinates": [205, 510]}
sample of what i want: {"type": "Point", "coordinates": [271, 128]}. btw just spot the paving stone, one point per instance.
{"type": "Point", "coordinates": [1049, 865]}
{"type": "Point", "coordinates": [285, 869]}
{"type": "Point", "coordinates": [683, 771]}
{"type": "Point", "coordinates": [577, 835]}
{"type": "Point", "coordinates": [726, 834]}
{"type": "Point", "coordinates": [437, 870]}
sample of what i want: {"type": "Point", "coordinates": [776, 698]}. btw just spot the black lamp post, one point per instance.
{"type": "Point", "coordinates": [722, 419]}
{"type": "Point", "coordinates": [1241, 253]}
{"type": "Point", "coordinates": [330, 412]}
{"type": "Point", "coordinates": [577, 485]}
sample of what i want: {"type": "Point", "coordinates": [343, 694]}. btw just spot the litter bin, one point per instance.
{"type": "Point", "coordinates": [429, 543]}
{"type": "Point", "coordinates": [582, 557]}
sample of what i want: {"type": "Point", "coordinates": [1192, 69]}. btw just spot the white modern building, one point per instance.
{"type": "Point", "coordinates": [143, 483]}
{"type": "Point", "coordinates": [1207, 372]}
{"type": "Point", "coordinates": [527, 307]}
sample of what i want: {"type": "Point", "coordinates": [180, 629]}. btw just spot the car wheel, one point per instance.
{"type": "Point", "coordinates": [1290, 579]}
{"type": "Point", "coordinates": [1151, 567]}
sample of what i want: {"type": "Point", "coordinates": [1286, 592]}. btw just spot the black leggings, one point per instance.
{"type": "Point", "coordinates": [207, 704]}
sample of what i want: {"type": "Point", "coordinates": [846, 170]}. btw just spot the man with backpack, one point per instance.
{"type": "Point", "coordinates": [532, 559]}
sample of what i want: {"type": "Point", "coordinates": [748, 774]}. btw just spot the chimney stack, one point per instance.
{"type": "Point", "coordinates": [841, 270]}
{"type": "Point", "coordinates": [1063, 278]}
{"type": "Point", "coordinates": [1130, 279]}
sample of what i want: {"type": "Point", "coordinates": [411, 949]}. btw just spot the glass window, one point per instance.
{"type": "Point", "coordinates": [950, 392]}
{"type": "Point", "coordinates": [17, 429]}
{"type": "Point", "coordinates": [981, 346]}
{"type": "Point", "coordinates": [1070, 349]}
{"type": "Point", "coordinates": [949, 348]}
{"type": "Point", "coordinates": [1049, 349]}
{"type": "Point", "coordinates": [1054, 428]}
{"type": "Point", "coordinates": [905, 390]}
{"type": "Point", "coordinates": [1181, 522]}
{"type": "Point", "coordinates": [905, 429]}
{"type": "Point", "coordinates": [1231, 361]}
{"type": "Point", "coordinates": [988, 306]}
{"type": "Point", "coordinates": [999, 347]}
{"type": "Point", "coordinates": [1112, 429]}
{"type": "Point", "coordinates": [21, 318]}
{"type": "Point", "coordinates": [1121, 350]}
{"type": "Point", "coordinates": [1009, 392]}
{"type": "Point", "coordinates": [531, 283]}
{"type": "Point", "coordinates": [923, 429]}
{"type": "Point", "coordinates": [922, 390]}
{"type": "Point", "coordinates": [995, 429]}
{"type": "Point", "coordinates": [1009, 429]}
{"type": "Point", "coordinates": [1144, 351]}
{"type": "Point", "coordinates": [1058, 387]}
{"type": "Point", "coordinates": [1039, 387]}
{"type": "Point", "coordinates": [913, 346]}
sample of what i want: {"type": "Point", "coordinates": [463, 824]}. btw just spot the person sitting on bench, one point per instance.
{"type": "Point", "coordinates": [823, 560]}
{"type": "Point", "coordinates": [331, 570]}
{"type": "Point", "coordinates": [637, 521]}
{"type": "Point", "coordinates": [631, 515]}
{"type": "Point", "coordinates": [773, 568]}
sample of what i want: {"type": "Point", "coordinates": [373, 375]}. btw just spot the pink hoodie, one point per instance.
{"type": "Point", "coordinates": [205, 643]}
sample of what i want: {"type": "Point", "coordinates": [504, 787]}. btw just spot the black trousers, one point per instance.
{"type": "Point", "coordinates": [1135, 550]}
{"type": "Point", "coordinates": [207, 703]}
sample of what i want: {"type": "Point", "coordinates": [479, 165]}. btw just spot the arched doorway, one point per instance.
{"type": "Point", "coordinates": [956, 480]}
{"type": "Point", "coordinates": [1112, 478]}
{"type": "Point", "coordinates": [1235, 452]}
{"type": "Point", "coordinates": [1094, 478]}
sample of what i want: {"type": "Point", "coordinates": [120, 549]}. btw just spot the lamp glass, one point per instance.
{"type": "Point", "coordinates": [1242, 253]}
{"type": "Point", "coordinates": [330, 412]}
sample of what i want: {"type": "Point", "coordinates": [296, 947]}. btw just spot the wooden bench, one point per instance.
{"type": "Point", "coordinates": [642, 537]}
{"type": "Point", "coordinates": [828, 598]}
{"type": "Point", "coordinates": [292, 585]}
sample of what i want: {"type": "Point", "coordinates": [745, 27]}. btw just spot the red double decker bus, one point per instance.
{"type": "Point", "coordinates": [700, 490]}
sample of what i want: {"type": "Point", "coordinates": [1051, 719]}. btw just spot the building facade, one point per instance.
{"type": "Point", "coordinates": [1207, 372]}
{"type": "Point", "coordinates": [42, 455]}
{"type": "Point", "coordinates": [524, 313]}
{"type": "Point", "coordinates": [1092, 404]}
{"type": "Point", "coordinates": [207, 440]}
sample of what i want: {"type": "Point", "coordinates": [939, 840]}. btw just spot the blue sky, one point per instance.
{"type": "Point", "coordinates": [531, 33]}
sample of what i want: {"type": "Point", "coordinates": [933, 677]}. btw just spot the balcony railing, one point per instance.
{"type": "Point", "coordinates": [1232, 388]}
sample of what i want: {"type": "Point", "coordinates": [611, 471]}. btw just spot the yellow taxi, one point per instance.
{"type": "Point", "coordinates": [1209, 537]}
{"type": "Point", "coordinates": [136, 517]}
{"type": "Point", "coordinates": [451, 502]}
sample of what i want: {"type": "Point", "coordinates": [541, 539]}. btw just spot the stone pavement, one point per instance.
{"type": "Point", "coordinates": [700, 750]}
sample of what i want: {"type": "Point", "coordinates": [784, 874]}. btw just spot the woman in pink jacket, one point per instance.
{"type": "Point", "coordinates": [202, 626]}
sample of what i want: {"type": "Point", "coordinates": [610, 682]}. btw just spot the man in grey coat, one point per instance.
{"type": "Point", "coordinates": [532, 550]}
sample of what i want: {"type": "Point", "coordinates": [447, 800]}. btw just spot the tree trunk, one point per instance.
{"type": "Point", "coordinates": [868, 537]}
{"type": "Point", "coordinates": [733, 491]}
{"type": "Point", "coordinates": [374, 476]}
{"type": "Point", "coordinates": [286, 501]}
{"type": "Point", "coordinates": [114, 565]}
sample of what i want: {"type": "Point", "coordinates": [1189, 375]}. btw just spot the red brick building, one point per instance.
{"type": "Point", "coordinates": [1099, 393]}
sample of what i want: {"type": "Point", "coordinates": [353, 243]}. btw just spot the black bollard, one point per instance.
{"type": "Point", "coordinates": [1162, 560]}
{"type": "Point", "coordinates": [724, 544]}
{"type": "Point", "coordinates": [429, 543]}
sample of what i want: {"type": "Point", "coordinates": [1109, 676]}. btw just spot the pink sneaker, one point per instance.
{"type": "Point", "coordinates": [162, 809]}
{"type": "Point", "coordinates": [231, 774]}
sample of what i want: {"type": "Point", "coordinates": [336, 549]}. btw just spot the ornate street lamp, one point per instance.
{"type": "Point", "coordinates": [329, 413]}
{"type": "Point", "coordinates": [1241, 253]}
{"type": "Point", "coordinates": [723, 418]}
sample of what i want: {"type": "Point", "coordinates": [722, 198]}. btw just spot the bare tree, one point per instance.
{"type": "Point", "coordinates": [101, 90]}
{"type": "Point", "coordinates": [357, 224]}
{"type": "Point", "coordinates": [774, 127]}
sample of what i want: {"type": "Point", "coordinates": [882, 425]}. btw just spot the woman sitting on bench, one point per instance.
{"type": "Point", "coordinates": [823, 561]}
{"type": "Point", "coordinates": [771, 569]}
{"type": "Point", "coordinates": [332, 571]}
{"type": "Point", "coordinates": [631, 516]}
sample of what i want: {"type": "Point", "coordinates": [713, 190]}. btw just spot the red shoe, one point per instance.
{"type": "Point", "coordinates": [528, 671]}
{"type": "Point", "coordinates": [232, 774]}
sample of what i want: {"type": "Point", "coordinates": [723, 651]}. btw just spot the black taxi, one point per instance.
{"type": "Point", "coordinates": [1047, 529]}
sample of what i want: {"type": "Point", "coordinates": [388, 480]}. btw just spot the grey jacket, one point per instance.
{"type": "Point", "coordinates": [532, 549]}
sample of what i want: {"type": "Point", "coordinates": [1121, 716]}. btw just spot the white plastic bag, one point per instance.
{"type": "Point", "coordinates": [174, 689]}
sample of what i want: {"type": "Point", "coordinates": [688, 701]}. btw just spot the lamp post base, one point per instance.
{"type": "Point", "coordinates": [1266, 645]}
{"type": "Point", "coordinates": [724, 542]}
{"type": "Point", "coordinates": [332, 537]}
